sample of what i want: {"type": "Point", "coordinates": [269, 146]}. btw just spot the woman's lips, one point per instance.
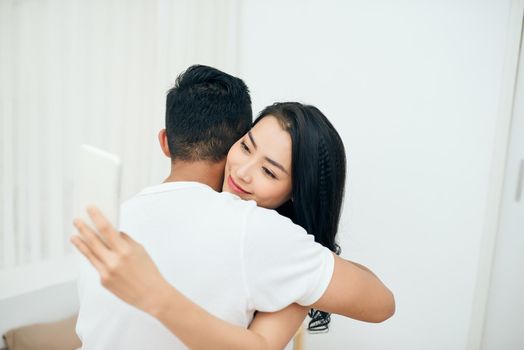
{"type": "Point", "coordinates": [232, 184]}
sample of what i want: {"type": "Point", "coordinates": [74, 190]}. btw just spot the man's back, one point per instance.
{"type": "Point", "coordinates": [193, 234]}
{"type": "Point", "coordinates": [200, 240]}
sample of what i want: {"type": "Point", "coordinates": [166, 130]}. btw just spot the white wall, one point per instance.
{"type": "Point", "coordinates": [413, 88]}
{"type": "Point", "coordinates": [504, 315]}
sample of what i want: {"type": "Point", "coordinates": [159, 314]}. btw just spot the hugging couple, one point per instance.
{"type": "Point", "coordinates": [237, 245]}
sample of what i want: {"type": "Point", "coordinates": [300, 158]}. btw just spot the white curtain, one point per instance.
{"type": "Point", "coordinates": [93, 71]}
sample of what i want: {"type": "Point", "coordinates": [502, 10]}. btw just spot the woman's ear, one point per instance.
{"type": "Point", "coordinates": [162, 138]}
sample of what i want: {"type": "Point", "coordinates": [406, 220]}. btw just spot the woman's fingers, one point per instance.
{"type": "Point", "coordinates": [86, 251]}
{"type": "Point", "coordinates": [92, 240]}
{"type": "Point", "coordinates": [107, 231]}
{"type": "Point", "coordinates": [126, 238]}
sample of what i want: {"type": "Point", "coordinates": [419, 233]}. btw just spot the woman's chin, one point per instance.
{"type": "Point", "coordinates": [228, 190]}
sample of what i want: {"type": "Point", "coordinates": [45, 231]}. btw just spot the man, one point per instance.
{"type": "Point", "coordinates": [225, 254]}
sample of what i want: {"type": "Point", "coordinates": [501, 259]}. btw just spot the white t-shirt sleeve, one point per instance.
{"type": "Point", "coordinates": [283, 264]}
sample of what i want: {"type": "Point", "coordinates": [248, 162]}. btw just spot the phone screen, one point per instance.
{"type": "Point", "coordinates": [97, 182]}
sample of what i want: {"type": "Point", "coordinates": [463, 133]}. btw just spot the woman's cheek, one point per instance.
{"type": "Point", "coordinates": [275, 193]}
{"type": "Point", "coordinates": [233, 156]}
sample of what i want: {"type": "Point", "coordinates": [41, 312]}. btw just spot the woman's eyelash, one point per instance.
{"type": "Point", "coordinates": [269, 173]}
{"type": "Point", "coordinates": [244, 146]}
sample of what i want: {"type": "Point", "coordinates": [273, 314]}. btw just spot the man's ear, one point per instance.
{"type": "Point", "coordinates": [162, 138]}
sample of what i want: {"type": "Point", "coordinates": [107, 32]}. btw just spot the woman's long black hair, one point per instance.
{"type": "Point", "coordinates": [318, 163]}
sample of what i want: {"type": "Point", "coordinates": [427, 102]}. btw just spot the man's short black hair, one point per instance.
{"type": "Point", "coordinates": [207, 111]}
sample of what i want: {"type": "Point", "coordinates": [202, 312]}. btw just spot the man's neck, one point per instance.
{"type": "Point", "coordinates": [208, 173]}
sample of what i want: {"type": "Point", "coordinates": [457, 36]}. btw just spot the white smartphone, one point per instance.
{"type": "Point", "coordinates": [97, 182]}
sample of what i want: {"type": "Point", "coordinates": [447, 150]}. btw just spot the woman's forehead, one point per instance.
{"type": "Point", "coordinates": [269, 123]}
{"type": "Point", "coordinates": [272, 140]}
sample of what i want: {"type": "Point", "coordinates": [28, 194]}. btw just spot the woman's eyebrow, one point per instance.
{"type": "Point", "coordinates": [275, 163]}
{"type": "Point", "coordinates": [252, 139]}
{"type": "Point", "coordinates": [278, 165]}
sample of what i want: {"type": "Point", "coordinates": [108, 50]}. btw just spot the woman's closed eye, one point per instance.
{"type": "Point", "coordinates": [268, 173]}
{"type": "Point", "coordinates": [245, 147]}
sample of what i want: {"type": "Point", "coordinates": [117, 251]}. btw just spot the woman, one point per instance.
{"type": "Point", "coordinates": [292, 160]}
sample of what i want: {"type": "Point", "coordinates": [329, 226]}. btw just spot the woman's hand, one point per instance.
{"type": "Point", "coordinates": [125, 268]}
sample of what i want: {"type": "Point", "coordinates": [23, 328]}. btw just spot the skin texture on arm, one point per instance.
{"type": "Point", "coordinates": [128, 271]}
{"type": "Point", "coordinates": [354, 291]}
{"type": "Point", "coordinates": [268, 331]}
{"type": "Point", "coordinates": [278, 328]}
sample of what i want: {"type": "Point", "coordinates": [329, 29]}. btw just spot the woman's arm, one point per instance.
{"type": "Point", "coordinates": [354, 291]}
{"type": "Point", "coordinates": [278, 328]}
{"type": "Point", "coordinates": [267, 331]}
{"type": "Point", "coordinates": [128, 272]}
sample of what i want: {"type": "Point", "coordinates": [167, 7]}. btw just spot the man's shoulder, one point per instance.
{"type": "Point", "coordinates": [180, 190]}
{"type": "Point", "coordinates": [190, 197]}
{"type": "Point", "coordinates": [270, 221]}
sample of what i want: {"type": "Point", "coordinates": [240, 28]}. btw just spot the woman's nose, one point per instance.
{"type": "Point", "coordinates": [244, 172]}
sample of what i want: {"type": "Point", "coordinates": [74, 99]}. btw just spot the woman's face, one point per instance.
{"type": "Point", "coordinates": [258, 166]}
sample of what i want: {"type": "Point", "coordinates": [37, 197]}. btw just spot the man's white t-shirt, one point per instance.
{"type": "Point", "coordinates": [226, 254]}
